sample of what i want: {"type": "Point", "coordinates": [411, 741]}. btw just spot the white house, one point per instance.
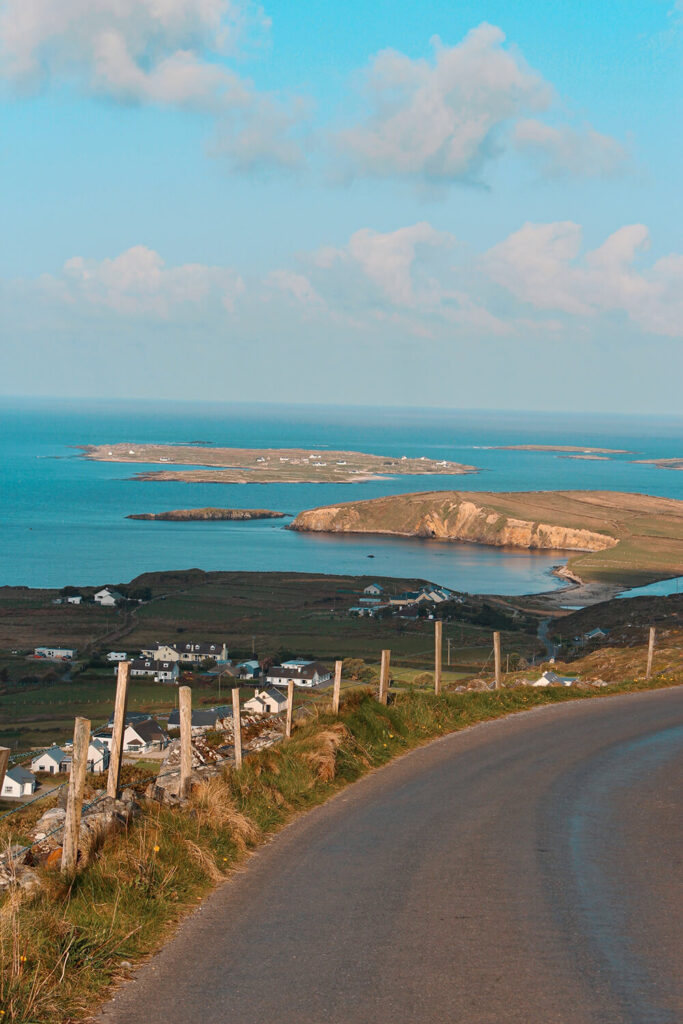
{"type": "Point", "coordinates": [160, 671]}
{"type": "Point", "coordinates": [550, 678]}
{"type": "Point", "coordinates": [373, 590]}
{"type": "Point", "coordinates": [75, 599]}
{"type": "Point", "coordinates": [193, 653]}
{"type": "Point", "coordinates": [51, 761]}
{"type": "Point", "coordinates": [309, 674]}
{"type": "Point", "coordinates": [56, 653]}
{"type": "Point", "coordinates": [107, 598]}
{"type": "Point", "coordinates": [139, 737]}
{"type": "Point", "coordinates": [117, 656]}
{"type": "Point", "coordinates": [268, 701]}
{"type": "Point", "coordinates": [98, 756]}
{"type": "Point", "coordinates": [18, 782]}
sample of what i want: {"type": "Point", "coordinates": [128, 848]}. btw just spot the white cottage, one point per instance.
{"type": "Point", "coordinates": [107, 598]}
{"type": "Point", "coordinates": [51, 761]}
{"type": "Point", "coordinates": [268, 701]}
{"type": "Point", "coordinates": [18, 782]}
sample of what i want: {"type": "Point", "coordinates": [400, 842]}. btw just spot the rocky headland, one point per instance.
{"type": "Point", "coordinates": [628, 539]}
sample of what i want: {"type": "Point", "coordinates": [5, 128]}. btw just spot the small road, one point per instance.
{"type": "Point", "coordinates": [526, 871]}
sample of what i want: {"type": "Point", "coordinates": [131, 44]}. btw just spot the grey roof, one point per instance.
{"type": "Point", "coordinates": [56, 753]}
{"type": "Point", "coordinates": [270, 691]}
{"type": "Point", "coordinates": [302, 672]}
{"type": "Point", "coordinates": [131, 718]}
{"type": "Point", "coordinates": [202, 716]}
{"type": "Point", "coordinates": [20, 774]}
{"type": "Point", "coordinates": [152, 665]}
{"type": "Point", "coordinates": [149, 730]}
{"type": "Point", "coordinates": [202, 647]}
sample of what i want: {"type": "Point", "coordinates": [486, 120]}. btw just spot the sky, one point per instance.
{"type": "Point", "coordinates": [464, 204]}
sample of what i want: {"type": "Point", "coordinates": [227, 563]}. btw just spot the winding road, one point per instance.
{"type": "Point", "coordinates": [525, 871]}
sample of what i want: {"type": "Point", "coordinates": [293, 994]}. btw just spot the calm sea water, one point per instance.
{"type": "Point", "coordinates": [63, 519]}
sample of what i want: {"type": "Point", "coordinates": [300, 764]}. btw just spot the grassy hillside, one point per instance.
{"type": "Point", "coordinates": [629, 539]}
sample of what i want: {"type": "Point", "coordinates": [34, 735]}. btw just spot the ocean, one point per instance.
{"type": "Point", "coordinates": [63, 518]}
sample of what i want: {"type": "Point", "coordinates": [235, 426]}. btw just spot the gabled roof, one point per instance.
{"type": "Point", "coordinates": [19, 774]}
{"type": "Point", "coordinates": [149, 730]}
{"type": "Point", "coordinates": [202, 716]}
{"type": "Point", "coordinates": [271, 692]}
{"type": "Point", "coordinates": [56, 753]}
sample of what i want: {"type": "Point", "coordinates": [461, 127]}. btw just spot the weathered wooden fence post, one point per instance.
{"type": "Point", "coordinates": [438, 646]}
{"type": "Point", "coordinates": [496, 659]}
{"type": "Point", "coordinates": [185, 707]}
{"type": "Point", "coordinates": [384, 676]}
{"type": "Point", "coordinates": [290, 708]}
{"type": "Point", "coordinates": [336, 693]}
{"type": "Point", "coordinates": [116, 752]}
{"type": "Point", "coordinates": [4, 762]}
{"type": "Point", "coordinates": [74, 799]}
{"type": "Point", "coordinates": [237, 726]}
{"type": "Point", "coordinates": [650, 651]}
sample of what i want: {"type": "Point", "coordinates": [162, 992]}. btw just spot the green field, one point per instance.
{"type": "Point", "coordinates": [274, 615]}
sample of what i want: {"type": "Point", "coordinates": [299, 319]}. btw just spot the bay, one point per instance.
{"type": "Point", "coordinates": [63, 518]}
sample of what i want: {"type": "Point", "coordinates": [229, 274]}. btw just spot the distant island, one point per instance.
{"type": "Point", "coordinates": [661, 463]}
{"type": "Point", "coordinates": [628, 539]}
{"type": "Point", "coordinates": [186, 515]}
{"type": "Point", "coordinates": [267, 465]}
{"type": "Point", "coordinates": [562, 448]}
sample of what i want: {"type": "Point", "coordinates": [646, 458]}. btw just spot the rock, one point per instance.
{"type": "Point", "coordinates": [54, 858]}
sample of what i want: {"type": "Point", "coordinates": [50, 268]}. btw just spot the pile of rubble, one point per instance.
{"type": "Point", "coordinates": [101, 815]}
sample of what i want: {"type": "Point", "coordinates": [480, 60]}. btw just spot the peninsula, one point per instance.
{"type": "Point", "coordinates": [188, 515]}
{"type": "Point", "coordinates": [626, 539]}
{"type": "Point", "coordinates": [267, 465]}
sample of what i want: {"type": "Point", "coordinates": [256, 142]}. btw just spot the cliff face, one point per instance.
{"type": "Point", "coordinates": [455, 519]}
{"type": "Point", "coordinates": [183, 515]}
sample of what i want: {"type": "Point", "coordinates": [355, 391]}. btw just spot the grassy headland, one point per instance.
{"type": "Point", "coordinates": [627, 539]}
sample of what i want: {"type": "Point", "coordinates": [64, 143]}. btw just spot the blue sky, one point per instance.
{"type": "Point", "coordinates": [464, 203]}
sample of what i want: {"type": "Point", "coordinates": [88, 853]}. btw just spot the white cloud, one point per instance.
{"type": "Point", "coordinates": [434, 122]}
{"type": "Point", "coordinates": [567, 151]}
{"type": "Point", "coordinates": [170, 53]}
{"type": "Point", "coordinates": [401, 278]}
{"type": "Point", "coordinates": [541, 264]}
{"type": "Point", "coordinates": [137, 283]}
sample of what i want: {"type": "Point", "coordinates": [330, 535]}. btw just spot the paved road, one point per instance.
{"type": "Point", "coordinates": [527, 871]}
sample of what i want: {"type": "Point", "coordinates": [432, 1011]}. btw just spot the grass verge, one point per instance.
{"type": "Point", "coordinates": [64, 944]}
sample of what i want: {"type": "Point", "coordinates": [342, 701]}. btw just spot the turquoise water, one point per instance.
{"type": "Point", "coordinates": [63, 519]}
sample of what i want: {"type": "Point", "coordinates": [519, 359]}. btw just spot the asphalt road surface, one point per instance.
{"type": "Point", "coordinates": [526, 871]}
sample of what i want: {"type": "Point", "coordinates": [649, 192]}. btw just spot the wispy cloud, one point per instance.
{"type": "Point", "coordinates": [137, 283]}
{"type": "Point", "coordinates": [170, 53]}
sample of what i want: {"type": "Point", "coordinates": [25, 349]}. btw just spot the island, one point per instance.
{"type": "Point", "coordinates": [267, 465]}
{"type": "Point", "coordinates": [191, 515]}
{"type": "Point", "coordinates": [661, 463]}
{"type": "Point", "coordinates": [562, 448]}
{"type": "Point", "coordinates": [624, 539]}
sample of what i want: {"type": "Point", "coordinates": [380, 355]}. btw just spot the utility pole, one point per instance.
{"type": "Point", "coordinates": [448, 644]}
